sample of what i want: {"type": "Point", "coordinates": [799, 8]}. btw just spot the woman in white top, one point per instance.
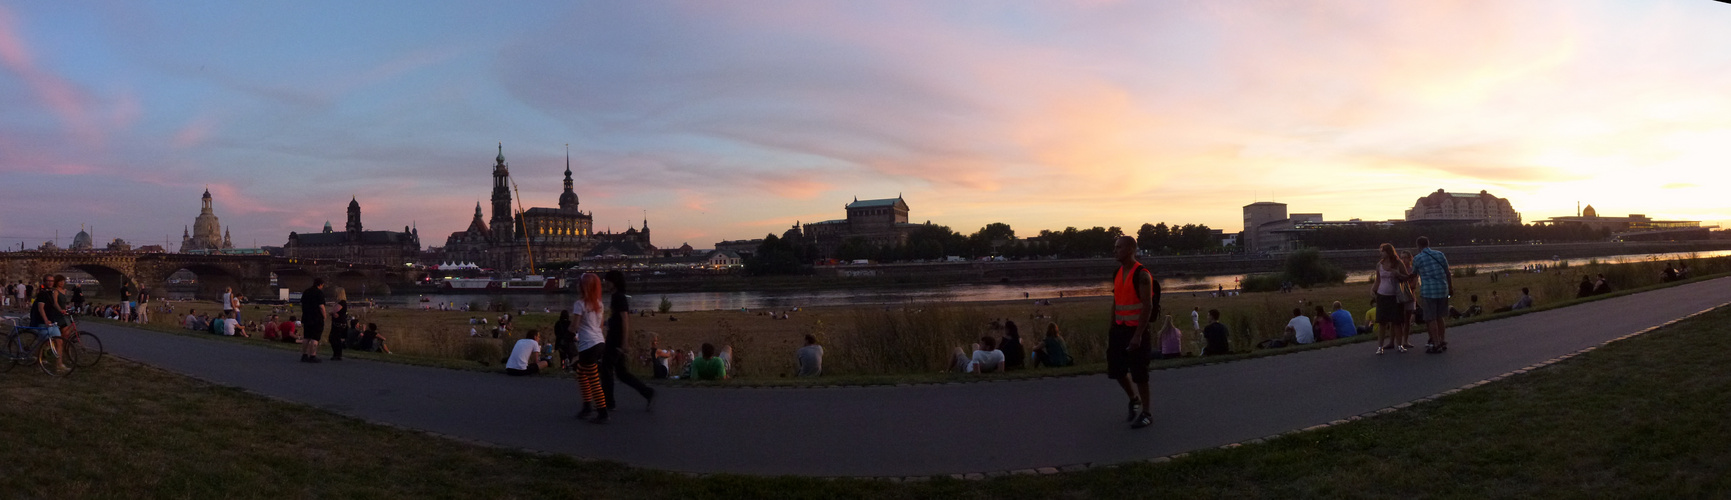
{"type": "Point", "coordinates": [591, 344]}
{"type": "Point", "coordinates": [1390, 273]}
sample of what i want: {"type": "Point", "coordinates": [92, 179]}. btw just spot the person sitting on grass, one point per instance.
{"type": "Point", "coordinates": [286, 331]}
{"type": "Point", "coordinates": [1214, 335]}
{"type": "Point", "coordinates": [710, 366]}
{"type": "Point", "coordinates": [223, 325]}
{"type": "Point", "coordinates": [268, 331]}
{"type": "Point", "coordinates": [191, 321]}
{"type": "Point", "coordinates": [1300, 327]}
{"type": "Point", "coordinates": [1052, 351]}
{"type": "Point", "coordinates": [1525, 302]}
{"type": "Point", "coordinates": [1473, 307]}
{"type": "Point", "coordinates": [1322, 325]}
{"type": "Point", "coordinates": [1342, 318]}
{"type": "Point", "coordinates": [987, 358]}
{"type": "Point", "coordinates": [371, 341]}
{"type": "Point", "coordinates": [1012, 347]}
{"type": "Point", "coordinates": [525, 356]}
{"type": "Point", "coordinates": [809, 359]}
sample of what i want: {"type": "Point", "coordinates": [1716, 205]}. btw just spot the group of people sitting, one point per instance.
{"type": "Point", "coordinates": [1674, 273]}
{"type": "Point", "coordinates": [349, 332]}
{"type": "Point", "coordinates": [991, 355]}
{"type": "Point", "coordinates": [1590, 287]}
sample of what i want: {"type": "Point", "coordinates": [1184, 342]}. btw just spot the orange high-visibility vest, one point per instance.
{"type": "Point", "coordinates": [1126, 303]}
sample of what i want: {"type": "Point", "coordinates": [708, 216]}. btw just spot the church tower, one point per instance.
{"type": "Point", "coordinates": [502, 222]}
{"type": "Point", "coordinates": [568, 199]}
{"type": "Point", "coordinates": [354, 225]}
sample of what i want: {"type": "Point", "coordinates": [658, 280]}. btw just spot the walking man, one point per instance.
{"type": "Point", "coordinates": [1435, 287]}
{"type": "Point", "coordinates": [1135, 302]}
{"type": "Point", "coordinates": [613, 364]}
{"type": "Point", "coordinates": [313, 322]}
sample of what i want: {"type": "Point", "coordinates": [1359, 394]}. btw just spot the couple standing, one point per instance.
{"type": "Point", "coordinates": [1394, 300]}
{"type": "Point", "coordinates": [601, 357]}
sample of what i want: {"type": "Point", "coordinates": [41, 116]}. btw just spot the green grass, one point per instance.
{"type": "Point", "coordinates": [1645, 417]}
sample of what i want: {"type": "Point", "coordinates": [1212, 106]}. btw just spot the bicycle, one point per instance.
{"type": "Point", "coordinates": [33, 345]}
{"type": "Point", "coordinates": [88, 345]}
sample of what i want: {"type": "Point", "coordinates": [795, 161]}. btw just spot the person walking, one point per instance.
{"type": "Point", "coordinates": [125, 300]}
{"type": "Point", "coordinates": [142, 310]}
{"type": "Point", "coordinates": [591, 348]}
{"type": "Point", "coordinates": [1129, 346]}
{"type": "Point", "coordinates": [614, 365]}
{"type": "Point", "coordinates": [1385, 285]}
{"type": "Point", "coordinates": [1435, 287]}
{"type": "Point", "coordinates": [313, 314]}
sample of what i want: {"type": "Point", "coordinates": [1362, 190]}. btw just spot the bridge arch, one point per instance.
{"type": "Point", "coordinates": [109, 280]}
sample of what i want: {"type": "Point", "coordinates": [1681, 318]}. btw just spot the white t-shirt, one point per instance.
{"type": "Point", "coordinates": [989, 361]}
{"type": "Point", "coordinates": [228, 302]}
{"type": "Point", "coordinates": [1195, 320]}
{"type": "Point", "coordinates": [227, 327]}
{"type": "Point", "coordinates": [522, 354]}
{"type": "Point", "coordinates": [1301, 325]}
{"type": "Point", "coordinates": [589, 332]}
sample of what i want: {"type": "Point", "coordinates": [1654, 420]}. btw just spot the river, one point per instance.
{"type": "Point", "coordinates": [780, 300]}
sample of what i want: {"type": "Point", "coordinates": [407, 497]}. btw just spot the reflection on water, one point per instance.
{"type": "Point", "coordinates": [776, 300]}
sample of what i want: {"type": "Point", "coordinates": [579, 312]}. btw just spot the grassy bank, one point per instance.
{"type": "Point", "coordinates": [1643, 417]}
{"type": "Point", "coordinates": [911, 343]}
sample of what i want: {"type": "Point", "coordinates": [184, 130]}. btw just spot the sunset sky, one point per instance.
{"type": "Point", "coordinates": [729, 120]}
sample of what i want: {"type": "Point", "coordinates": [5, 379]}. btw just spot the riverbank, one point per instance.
{"type": "Point", "coordinates": [912, 342]}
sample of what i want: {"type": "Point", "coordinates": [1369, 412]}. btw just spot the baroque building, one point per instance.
{"type": "Point", "coordinates": [509, 240]}
{"type": "Point", "coordinates": [206, 232]}
{"type": "Point", "coordinates": [878, 222]}
{"type": "Point", "coordinates": [355, 244]}
{"type": "Point", "coordinates": [1475, 208]}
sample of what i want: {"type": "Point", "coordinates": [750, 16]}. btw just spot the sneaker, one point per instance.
{"type": "Point", "coordinates": [1135, 410]}
{"type": "Point", "coordinates": [1143, 420]}
{"type": "Point", "coordinates": [1403, 348]}
{"type": "Point", "coordinates": [1379, 350]}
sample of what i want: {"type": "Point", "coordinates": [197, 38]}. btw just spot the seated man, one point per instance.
{"type": "Point", "coordinates": [708, 367]}
{"type": "Point", "coordinates": [1214, 335]}
{"type": "Point", "coordinates": [268, 330]}
{"type": "Point", "coordinates": [191, 321]}
{"type": "Point", "coordinates": [287, 331]}
{"type": "Point", "coordinates": [1300, 326]}
{"type": "Point", "coordinates": [1342, 318]}
{"type": "Point", "coordinates": [371, 341]}
{"type": "Point", "coordinates": [1473, 307]}
{"type": "Point", "coordinates": [1525, 302]}
{"type": "Point", "coordinates": [525, 356]}
{"type": "Point", "coordinates": [809, 358]}
{"type": "Point", "coordinates": [987, 358]}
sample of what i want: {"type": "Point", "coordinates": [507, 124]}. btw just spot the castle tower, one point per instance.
{"type": "Point", "coordinates": [503, 224]}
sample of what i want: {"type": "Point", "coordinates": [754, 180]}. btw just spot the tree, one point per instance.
{"type": "Point", "coordinates": [1306, 268]}
{"type": "Point", "coordinates": [777, 256]}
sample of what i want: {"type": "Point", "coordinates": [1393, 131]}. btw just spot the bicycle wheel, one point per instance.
{"type": "Point", "coordinates": [56, 362]}
{"type": "Point", "coordinates": [17, 350]}
{"type": "Point", "coordinates": [89, 348]}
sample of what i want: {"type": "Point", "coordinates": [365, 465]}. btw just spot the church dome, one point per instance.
{"type": "Point", "coordinates": [1589, 212]}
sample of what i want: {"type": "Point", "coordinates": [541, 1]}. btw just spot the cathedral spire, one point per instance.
{"type": "Point", "coordinates": [568, 199]}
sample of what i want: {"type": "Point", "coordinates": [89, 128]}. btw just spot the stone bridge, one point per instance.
{"type": "Point", "coordinates": [249, 275]}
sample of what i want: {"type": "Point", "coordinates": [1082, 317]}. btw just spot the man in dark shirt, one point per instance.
{"type": "Point", "coordinates": [1215, 335]}
{"type": "Point", "coordinates": [613, 362]}
{"type": "Point", "coordinates": [313, 322]}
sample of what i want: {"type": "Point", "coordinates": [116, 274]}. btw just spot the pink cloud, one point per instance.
{"type": "Point", "coordinates": [64, 98]}
{"type": "Point", "coordinates": [195, 132]}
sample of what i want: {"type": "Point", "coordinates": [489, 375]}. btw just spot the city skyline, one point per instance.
{"type": "Point", "coordinates": [726, 122]}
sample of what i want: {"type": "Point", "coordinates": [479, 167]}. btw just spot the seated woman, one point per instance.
{"type": "Point", "coordinates": [1171, 344]}
{"type": "Point", "coordinates": [1323, 325]}
{"type": "Point", "coordinates": [987, 358]}
{"type": "Point", "coordinates": [268, 330]}
{"type": "Point", "coordinates": [1052, 351]}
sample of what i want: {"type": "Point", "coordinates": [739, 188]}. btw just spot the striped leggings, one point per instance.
{"type": "Point", "coordinates": [589, 376]}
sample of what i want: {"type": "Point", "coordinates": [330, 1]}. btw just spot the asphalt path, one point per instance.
{"type": "Point", "coordinates": [916, 430]}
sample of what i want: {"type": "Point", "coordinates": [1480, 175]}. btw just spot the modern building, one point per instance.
{"type": "Point", "coordinates": [206, 232]}
{"type": "Point", "coordinates": [880, 223]}
{"type": "Point", "coordinates": [355, 244]}
{"type": "Point", "coordinates": [1634, 227]}
{"type": "Point", "coordinates": [1464, 208]}
{"type": "Point", "coordinates": [1257, 214]}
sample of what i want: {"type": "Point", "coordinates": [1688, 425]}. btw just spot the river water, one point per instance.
{"type": "Point", "coordinates": [787, 299]}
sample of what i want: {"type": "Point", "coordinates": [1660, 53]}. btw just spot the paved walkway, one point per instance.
{"type": "Point", "coordinates": [920, 430]}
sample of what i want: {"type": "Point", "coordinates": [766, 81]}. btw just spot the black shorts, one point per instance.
{"type": "Point", "coordinates": [1121, 360]}
{"type": "Point", "coordinates": [1388, 310]}
{"type": "Point", "coordinates": [533, 368]}
{"type": "Point", "coordinates": [314, 331]}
